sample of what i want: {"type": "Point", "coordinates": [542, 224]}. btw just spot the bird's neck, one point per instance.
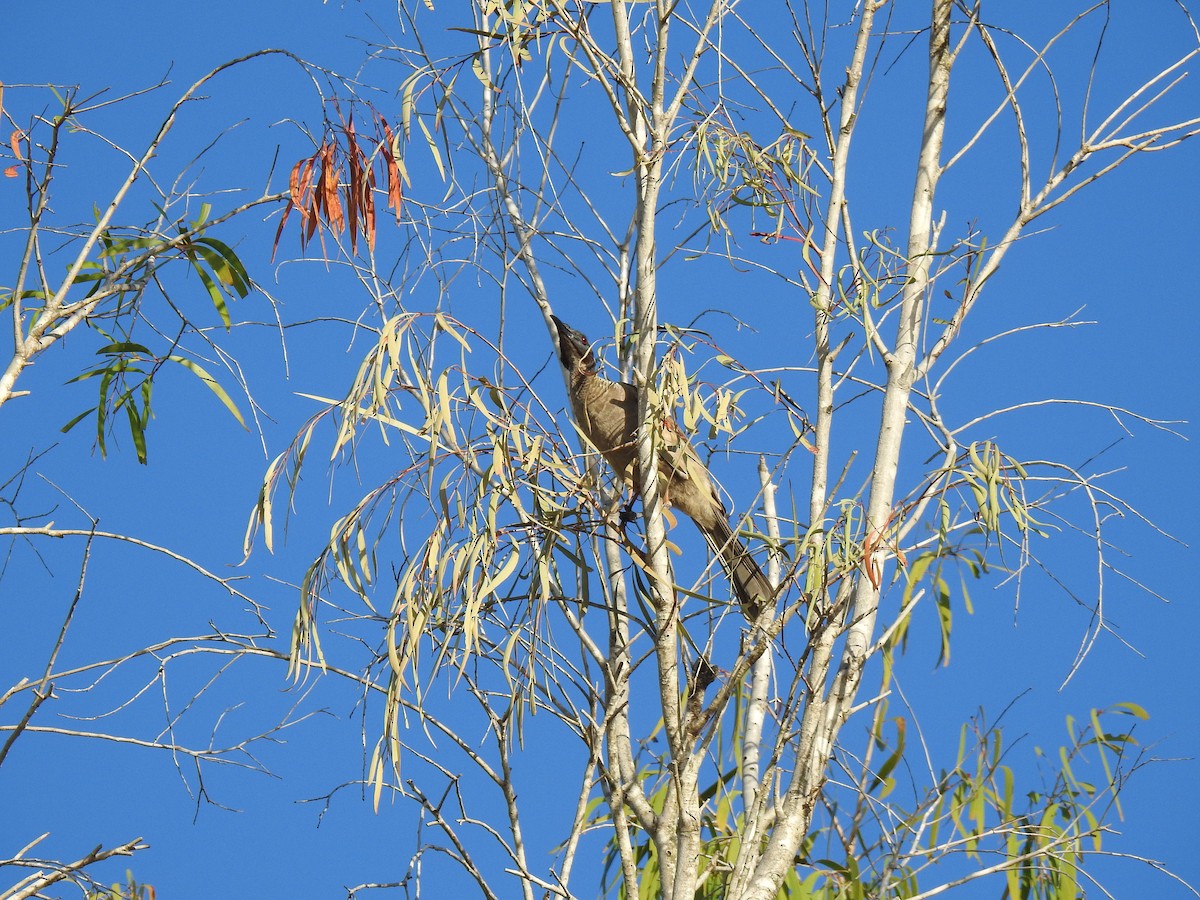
{"type": "Point", "coordinates": [583, 371]}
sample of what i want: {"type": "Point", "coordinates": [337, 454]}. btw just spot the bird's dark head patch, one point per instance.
{"type": "Point", "coordinates": [573, 347]}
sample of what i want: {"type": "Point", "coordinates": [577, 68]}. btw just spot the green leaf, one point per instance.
{"type": "Point", "coordinates": [137, 431]}
{"type": "Point", "coordinates": [102, 408]}
{"type": "Point", "coordinates": [79, 418]}
{"type": "Point", "coordinates": [225, 264]}
{"type": "Point", "coordinates": [214, 292]}
{"type": "Point", "coordinates": [90, 373]}
{"type": "Point", "coordinates": [123, 347]}
{"type": "Point", "coordinates": [211, 384]}
{"type": "Point", "coordinates": [1130, 709]}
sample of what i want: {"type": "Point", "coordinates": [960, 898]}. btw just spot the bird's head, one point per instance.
{"type": "Point", "coordinates": [574, 350]}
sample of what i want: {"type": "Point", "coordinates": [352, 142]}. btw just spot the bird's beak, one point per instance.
{"type": "Point", "coordinates": [562, 332]}
{"type": "Point", "coordinates": [566, 334]}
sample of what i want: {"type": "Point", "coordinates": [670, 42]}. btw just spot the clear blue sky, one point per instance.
{"type": "Point", "coordinates": [1122, 251]}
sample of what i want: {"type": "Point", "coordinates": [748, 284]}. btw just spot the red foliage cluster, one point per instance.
{"type": "Point", "coordinates": [335, 186]}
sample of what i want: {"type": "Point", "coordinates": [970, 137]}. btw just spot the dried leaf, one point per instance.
{"type": "Point", "coordinates": [356, 186]}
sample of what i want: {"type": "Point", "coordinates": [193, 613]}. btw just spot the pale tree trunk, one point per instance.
{"type": "Point", "coordinates": [650, 120]}
{"type": "Point", "coordinates": [828, 709]}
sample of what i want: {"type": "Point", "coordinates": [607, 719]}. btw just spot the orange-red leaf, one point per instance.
{"type": "Point", "coordinates": [301, 190]}
{"type": "Point", "coordinates": [368, 209]}
{"type": "Point", "coordinates": [332, 204]}
{"type": "Point", "coordinates": [287, 211]}
{"type": "Point", "coordinates": [354, 190]}
{"type": "Point", "coordinates": [393, 171]}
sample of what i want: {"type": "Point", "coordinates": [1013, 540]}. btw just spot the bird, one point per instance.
{"type": "Point", "coordinates": [607, 413]}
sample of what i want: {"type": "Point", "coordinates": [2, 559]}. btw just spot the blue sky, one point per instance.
{"type": "Point", "coordinates": [1121, 252]}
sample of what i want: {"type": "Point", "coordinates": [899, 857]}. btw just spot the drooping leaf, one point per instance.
{"type": "Point", "coordinates": [211, 383]}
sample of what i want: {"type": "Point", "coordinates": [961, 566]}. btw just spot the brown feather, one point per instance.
{"type": "Point", "coordinates": [608, 416]}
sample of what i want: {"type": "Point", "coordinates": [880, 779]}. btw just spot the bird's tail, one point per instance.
{"type": "Point", "coordinates": [751, 586]}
